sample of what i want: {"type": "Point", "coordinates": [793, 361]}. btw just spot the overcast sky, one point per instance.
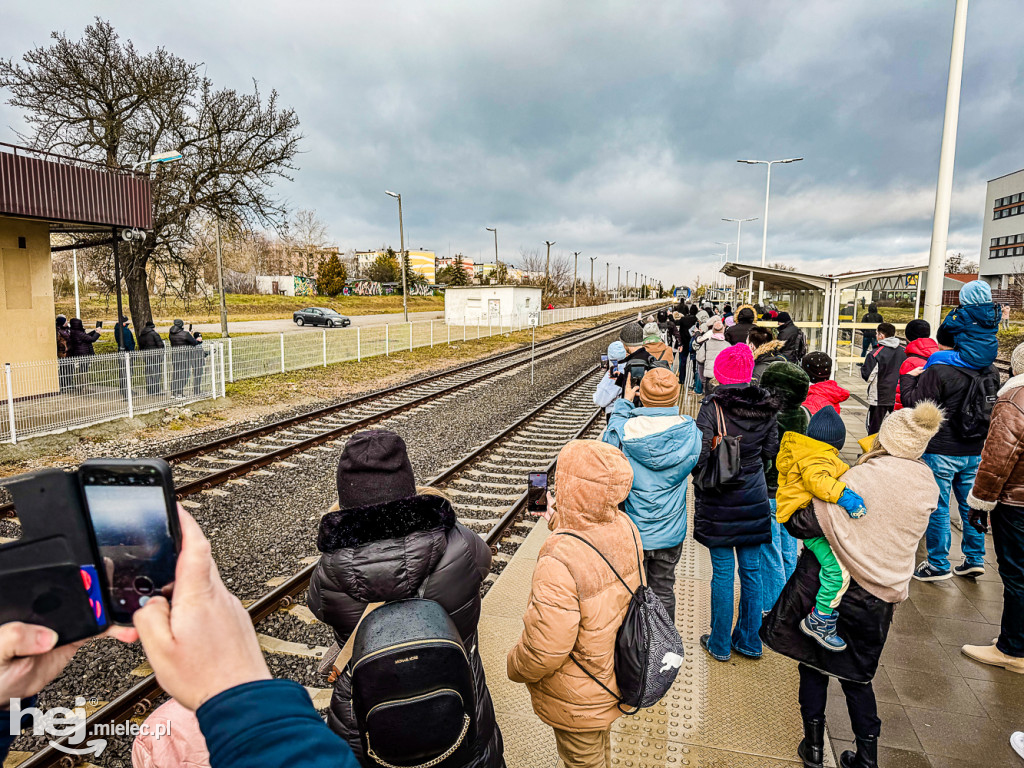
{"type": "Point", "coordinates": [611, 128]}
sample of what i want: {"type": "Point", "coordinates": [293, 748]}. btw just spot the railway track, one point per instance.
{"type": "Point", "coordinates": [228, 458]}
{"type": "Point", "coordinates": [487, 486]}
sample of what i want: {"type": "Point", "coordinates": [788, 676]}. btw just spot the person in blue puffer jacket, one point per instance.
{"type": "Point", "coordinates": [662, 447]}
{"type": "Point", "coordinates": [974, 325]}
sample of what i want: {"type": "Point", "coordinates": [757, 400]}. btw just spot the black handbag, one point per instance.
{"type": "Point", "coordinates": [723, 464]}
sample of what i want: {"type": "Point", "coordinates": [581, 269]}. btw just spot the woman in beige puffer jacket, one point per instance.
{"type": "Point", "coordinates": [577, 604]}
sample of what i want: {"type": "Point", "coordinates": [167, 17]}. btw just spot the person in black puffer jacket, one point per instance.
{"type": "Point", "coordinates": [80, 345]}
{"type": "Point", "coordinates": [733, 521]}
{"type": "Point", "coordinates": [387, 541]}
{"type": "Point", "coordinates": [745, 320]}
{"type": "Point", "coordinates": [150, 345]}
{"type": "Point", "coordinates": [795, 341]}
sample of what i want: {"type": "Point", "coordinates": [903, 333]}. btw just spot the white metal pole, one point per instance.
{"type": "Point", "coordinates": [282, 353]}
{"type": "Point", "coordinates": [533, 347]}
{"type": "Point", "coordinates": [128, 384]}
{"type": "Point", "coordinates": [764, 234]}
{"type": "Point", "coordinates": [74, 266]}
{"type": "Point", "coordinates": [213, 370]}
{"type": "Point", "coordinates": [947, 157]}
{"type": "Point", "coordinates": [231, 360]}
{"type": "Point", "coordinates": [223, 386]}
{"type": "Point", "coordinates": [10, 402]}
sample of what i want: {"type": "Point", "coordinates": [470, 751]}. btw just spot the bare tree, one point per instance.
{"type": "Point", "coordinates": [307, 239]}
{"type": "Point", "coordinates": [956, 264]}
{"type": "Point", "coordinates": [98, 98]}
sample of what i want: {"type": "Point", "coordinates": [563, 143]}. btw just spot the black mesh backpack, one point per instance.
{"type": "Point", "coordinates": [648, 648]}
{"type": "Point", "coordinates": [412, 687]}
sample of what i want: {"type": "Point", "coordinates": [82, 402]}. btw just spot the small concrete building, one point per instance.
{"type": "Point", "coordinates": [285, 285]}
{"type": "Point", "coordinates": [490, 304]}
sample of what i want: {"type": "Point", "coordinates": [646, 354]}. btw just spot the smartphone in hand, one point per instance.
{"type": "Point", "coordinates": [537, 493]}
{"type": "Point", "coordinates": [134, 518]}
{"type": "Point", "coordinates": [604, 362]}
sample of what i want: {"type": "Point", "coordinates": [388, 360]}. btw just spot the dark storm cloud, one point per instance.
{"type": "Point", "coordinates": [613, 128]}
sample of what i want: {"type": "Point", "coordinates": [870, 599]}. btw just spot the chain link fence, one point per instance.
{"type": "Point", "coordinates": [70, 393]}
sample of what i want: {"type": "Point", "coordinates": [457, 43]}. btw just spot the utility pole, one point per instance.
{"type": "Point", "coordinates": [618, 283]}
{"type": "Point", "coordinates": [401, 234]}
{"type": "Point", "coordinates": [592, 291]}
{"type": "Point", "coordinates": [495, 231]}
{"type": "Point", "coordinates": [575, 261]}
{"type": "Point", "coordinates": [607, 284]}
{"type": "Point", "coordinates": [627, 284]}
{"type": "Point", "coordinates": [220, 285]}
{"type": "Point", "coordinates": [947, 156]}
{"type": "Point", "coordinates": [117, 281]}
{"type": "Point", "coordinates": [547, 267]}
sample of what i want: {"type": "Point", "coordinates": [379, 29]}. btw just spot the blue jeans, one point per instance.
{"type": "Point", "coordinates": [954, 473]}
{"type": "Point", "coordinates": [698, 387]}
{"type": "Point", "coordinates": [778, 561]}
{"type": "Point", "coordinates": [744, 637]}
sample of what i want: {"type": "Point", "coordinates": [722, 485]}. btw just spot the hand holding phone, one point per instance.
{"type": "Point", "coordinates": [537, 493]}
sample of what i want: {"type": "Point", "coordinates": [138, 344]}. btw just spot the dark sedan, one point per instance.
{"type": "Point", "coordinates": [320, 316]}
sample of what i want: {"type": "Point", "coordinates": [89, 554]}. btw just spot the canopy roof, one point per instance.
{"type": "Point", "coordinates": [788, 280]}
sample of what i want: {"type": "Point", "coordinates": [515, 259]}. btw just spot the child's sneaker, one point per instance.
{"type": "Point", "coordinates": [822, 629]}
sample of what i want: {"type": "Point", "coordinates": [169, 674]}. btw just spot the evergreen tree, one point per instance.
{"type": "Point", "coordinates": [385, 268]}
{"type": "Point", "coordinates": [412, 278]}
{"type": "Point", "coordinates": [454, 274]}
{"type": "Point", "coordinates": [331, 276]}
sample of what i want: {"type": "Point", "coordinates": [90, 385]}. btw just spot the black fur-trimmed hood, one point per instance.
{"type": "Point", "coordinates": [350, 528]}
{"type": "Point", "coordinates": [746, 400]}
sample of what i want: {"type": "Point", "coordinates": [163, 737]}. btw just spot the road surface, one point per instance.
{"type": "Point", "coordinates": [277, 326]}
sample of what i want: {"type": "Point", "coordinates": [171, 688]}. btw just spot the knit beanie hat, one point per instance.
{"type": "Point", "coordinates": [827, 426]}
{"type": "Point", "coordinates": [1017, 360]}
{"type": "Point", "coordinates": [918, 329]}
{"type": "Point", "coordinates": [632, 335]}
{"type": "Point", "coordinates": [818, 366]}
{"type": "Point", "coordinates": [734, 365]}
{"type": "Point", "coordinates": [945, 337]}
{"type": "Point", "coordinates": [906, 433]}
{"type": "Point", "coordinates": [788, 382]}
{"type": "Point", "coordinates": [730, 321]}
{"type": "Point", "coordinates": [651, 333]}
{"type": "Point", "coordinates": [783, 317]}
{"type": "Point", "coordinates": [616, 351]}
{"type": "Point", "coordinates": [374, 469]}
{"type": "Point", "coordinates": [179, 323]}
{"type": "Point", "coordinates": [659, 388]}
{"type": "Point", "coordinates": [745, 315]}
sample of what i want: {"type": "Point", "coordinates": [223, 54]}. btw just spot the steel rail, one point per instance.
{"type": "Point", "coordinates": [137, 700]}
{"type": "Point", "coordinates": [244, 467]}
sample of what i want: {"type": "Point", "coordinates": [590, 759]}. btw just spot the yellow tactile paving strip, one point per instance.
{"type": "Point", "coordinates": [741, 714]}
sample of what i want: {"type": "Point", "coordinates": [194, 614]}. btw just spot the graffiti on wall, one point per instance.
{"type": "Point", "coordinates": [305, 286]}
{"type": "Point", "coordinates": [370, 288]}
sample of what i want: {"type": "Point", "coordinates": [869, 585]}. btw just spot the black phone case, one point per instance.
{"type": "Point", "coordinates": [41, 578]}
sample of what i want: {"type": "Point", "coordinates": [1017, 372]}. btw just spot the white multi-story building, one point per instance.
{"type": "Point", "coordinates": [1001, 260]}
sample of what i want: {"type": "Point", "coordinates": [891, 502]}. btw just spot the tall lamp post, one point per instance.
{"type": "Point", "coordinates": [607, 281]}
{"type": "Point", "coordinates": [547, 268]}
{"type": "Point", "coordinates": [719, 242]}
{"type": "Point", "coordinates": [495, 231]}
{"type": "Point", "coordinates": [618, 283]}
{"type": "Point", "coordinates": [739, 229]}
{"type": "Point", "coordinates": [401, 235]}
{"type": "Point", "coordinates": [767, 193]}
{"type": "Point", "coordinates": [575, 262]}
{"type": "Point", "coordinates": [947, 155]}
{"type": "Point", "coordinates": [592, 260]}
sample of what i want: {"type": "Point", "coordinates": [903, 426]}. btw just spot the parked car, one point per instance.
{"type": "Point", "coordinates": [320, 316]}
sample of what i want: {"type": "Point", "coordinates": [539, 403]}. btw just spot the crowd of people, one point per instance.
{"type": "Point", "coordinates": [764, 457]}
{"type": "Point", "coordinates": [187, 368]}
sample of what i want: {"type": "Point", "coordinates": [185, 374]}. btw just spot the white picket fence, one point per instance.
{"type": "Point", "coordinates": [53, 396]}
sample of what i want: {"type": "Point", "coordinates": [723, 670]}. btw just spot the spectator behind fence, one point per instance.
{"type": "Point", "coordinates": [387, 540]}
{"type": "Point", "coordinates": [919, 348]}
{"type": "Point", "coordinates": [662, 448]}
{"type": "Point", "coordinates": [999, 491]}
{"type": "Point", "coordinates": [199, 355]}
{"type": "Point", "coordinates": [789, 384]}
{"type": "Point", "coordinates": [206, 655]}
{"type": "Point", "coordinates": [732, 520]}
{"type": "Point", "coordinates": [577, 604]}
{"type": "Point", "coordinates": [823, 390]}
{"type": "Point", "coordinates": [80, 346]}
{"type": "Point", "coordinates": [181, 357]}
{"type": "Point", "coordinates": [795, 341]}
{"type": "Point", "coordinates": [953, 454]}
{"type": "Point", "coordinates": [869, 341]}
{"type": "Point", "coordinates": [123, 335]}
{"type": "Point", "coordinates": [881, 370]}
{"type": "Point", "coordinates": [878, 550]}
{"type": "Point", "coordinates": [150, 345]}
{"type": "Point", "coordinates": [765, 348]}
{"type": "Point", "coordinates": [64, 366]}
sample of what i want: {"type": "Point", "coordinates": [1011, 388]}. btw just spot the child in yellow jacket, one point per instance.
{"type": "Point", "coordinates": [809, 467]}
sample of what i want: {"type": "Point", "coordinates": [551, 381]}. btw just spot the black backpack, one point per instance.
{"type": "Point", "coordinates": [972, 420]}
{"type": "Point", "coordinates": [412, 687]}
{"type": "Point", "coordinates": [637, 368]}
{"type": "Point", "coordinates": [648, 648]}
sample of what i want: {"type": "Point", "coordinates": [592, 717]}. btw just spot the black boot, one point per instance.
{"type": "Point", "coordinates": [812, 748]}
{"type": "Point", "coordinates": [865, 757]}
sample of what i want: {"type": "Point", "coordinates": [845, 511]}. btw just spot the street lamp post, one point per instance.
{"type": "Point", "coordinates": [719, 242]}
{"type": "Point", "coordinates": [947, 156]}
{"type": "Point", "coordinates": [627, 284]}
{"type": "Point", "coordinates": [607, 280]}
{"type": "Point", "coordinates": [401, 235]}
{"type": "Point", "coordinates": [547, 269]}
{"type": "Point", "coordinates": [592, 260]}
{"type": "Point", "coordinates": [767, 193]}
{"type": "Point", "coordinates": [618, 283]}
{"type": "Point", "coordinates": [739, 229]}
{"type": "Point", "coordinates": [575, 261]}
{"type": "Point", "coordinates": [495, 231]}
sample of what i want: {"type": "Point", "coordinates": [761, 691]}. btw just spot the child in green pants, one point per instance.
{"type": "Point", "coordinates": [809, 467]}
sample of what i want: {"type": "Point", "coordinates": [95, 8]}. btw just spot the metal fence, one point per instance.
{"type": "Point", "coordinates": [57, 395]}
